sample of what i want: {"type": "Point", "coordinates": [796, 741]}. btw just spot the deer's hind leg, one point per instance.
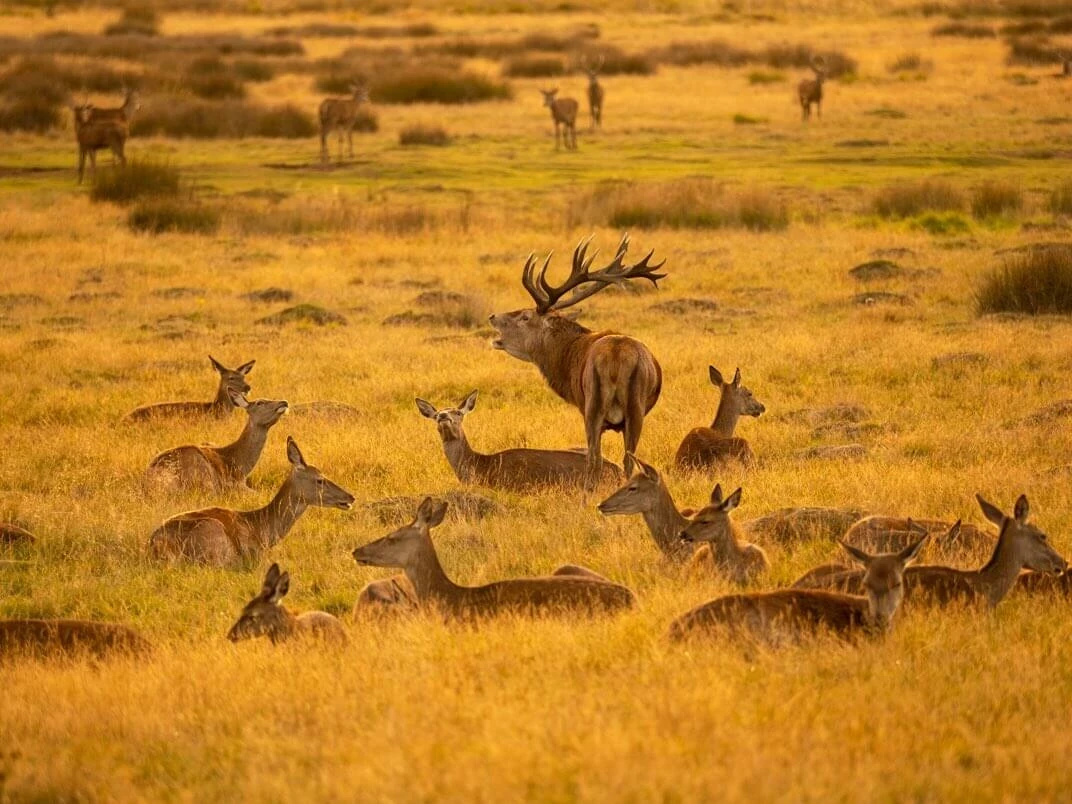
{"type": "Point", "coordinates": [81, 163]}
{"type": "Point", "coordinates": [350, 139]}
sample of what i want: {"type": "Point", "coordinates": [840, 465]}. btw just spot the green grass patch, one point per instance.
{"type": "Point", "coordinates": [423, 135]}
{"type": "Point", "coordinates": [748, 120]}
{"type": "Point", "coordinates": [935, 223]}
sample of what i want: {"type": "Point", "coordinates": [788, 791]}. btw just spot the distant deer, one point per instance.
{"type": "Point", "coordinates": [55, 638]}
{"type": "Point", "coordinates": [890, 533]}
{"type": "Point", "coordinates": [341, 114]}
{"type": "Point", "coordinates": [595, 91]}
{"type": "Point", "coordinates": [614, 380]}
{"type": "Point", "coordinates": [796, 524]}
{"type": "Point", "coordinates": [232, 381]}
{"type": "Point", "coordinates": [810, 90]}
{"type": "Point", "coordinates": [265, 615]}
{"type": "Point", "coordinates": [122, 114]}
{"type": "Point", "coordinates": [730, 554]}
{"type": "Point", "coordinates": [1019, 546]}
{"type": "Point", "coordinates": [95, 135]}
{"type": "Point", "coordinates": [785, 615]}
{"type": "Point", "coordinates": [646, 493]}
{"type": "Point", "coordinates": [515, 469]}
{"type": "Point", "coordinates": [712, 447]}
{"type": "Point", "coordinates": [220, 537]}
{"type": "Point", "coordinates": [410, 548]}
{"type": "Point", "coordinates": [219, 468]}
{"type": "Point", "coordinates": [563, 113]}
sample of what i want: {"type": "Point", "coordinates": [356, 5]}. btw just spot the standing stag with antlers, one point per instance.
{"type": "Point", "coordinates": [613, 379]}
{"type": "Point", "coordinates": [811, 89]}
{"type": "Point", "coordinates": [595, 91]}
{"type": "Point", "coordinates": [341, 114]}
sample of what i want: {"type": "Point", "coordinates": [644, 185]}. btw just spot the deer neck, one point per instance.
{"type": "Point", "coordinates": [223, 399]}
{"type": "Point", "coordinates": [557, 355]}
{"type": "Point", "coordinates": [726, 416]}
{"type": "Point", "coordinates": [461, 457]}
{"type": "Point", "coordinates": [998, 577]}
{"type": "Point", "coordinates": [427, 577]}
{"type": "Point", "coordinates": [666, 523]}
{"type": "Point", "coordinates": [727, 549]}
{"type": "Point", "coordinates": [271, 523]}
{"type": "Point", "coordinates": [241, 456]}
{"type": "Point", "coordinates": [284, 628]}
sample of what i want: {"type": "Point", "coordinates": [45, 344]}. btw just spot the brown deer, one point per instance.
{"type": "Point", "coordinates": [810, 90]}
{"type": "Point", "coordinates": [1020, 546]}
{"type": "Point", "coordinates": [595, 91]}
{"type": "Point", "coordinates": [891, 533]}
{"type": "Point", "coordinates": [392, 595]}
{"type": "Point", "coordinates": [646, 493]}
{"type": "Point", "coordinates": [95, 135]}
{"type": "Point", "coordinates": [614, 380]}
{"type": "Point", "coordinates": [221, 537]}
{"type": "Point", "coordinates": [1045, 583]}
{"type": "Point", "coordinates": [515, 469]}
{"type": "Point", "coordinates": [563, 113]}
{"type": "Point", "coordinates": [410, 548]}
{"type": "Point", "coordinates": [62, 638]}
{"type": "Point", "coordinates": [726, 550]}
{"type": "Point", "coordinates": [712, 447]}
{"type": "Point", "coordinates": [796, 524]}
{"type": "Point", "coordinates": [232, 381]}
{"type": "Point", "coordinates": [785, 615]}
{"type": "Point", "coordinates": [122, 114]}
{"type": "Point", "coordinates": [341, 114]}
{"type": "Point", "coordinates": [265, 615]}
{"type": "Point", "coordinates": [217, 469]}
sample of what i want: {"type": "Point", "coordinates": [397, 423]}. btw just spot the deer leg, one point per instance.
{"type": "Point", "coordinates": [118, 154]}
{"type": "Point", "coordinates": [323, 145]}
{"type": "Point", "coordinates": [819, 109]}
{"type": "Point", "coordinates": [556, 135]}
{"type": "Point", "coordinates": [93, 163]}
{"type": "Point", "coordinates": [350, 140]}
{"type": "Point", "coordinates": [634, 423]}
{"type": "Point", "coordinates": [81, 163]}
{"type": "Point", "coordinates": [593, 429]}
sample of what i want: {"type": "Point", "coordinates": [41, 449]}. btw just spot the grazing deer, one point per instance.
{"type": "Point", "coordinates": [614, 380]}
{"type": "Point", "coordinates": [646, 493]}
{"type": "Point", "coordinates": [232, 381]}
{"type": "Point", "coordinates": [56, 638]}
{"type": "Point", "coordinates": [123, 114]}
{"type": "Point", "coordinates": [219, 468]}
{"type": "Point", "coordinates": [341, 114]}
{"type": "Point", "coordinates": [95, 135]}
{"type": "Point", "coordinates": [410, 548]}
{"type": "Point", "coordinates": [810, 90]}
{"type": "Point", "coordinates": [595, 91]}
{"type": "Point", "coordinates": [1019, 546]}
{"type": "Point", "coordinates": [563, 113]}
{"type": "Point", "coordinates": [265, 615]}
{"type": "Point", "coordinates": [515, 469]}
{"type": "Point", "coordinates": [711, 447]}
{"type": "Point", "coordinates": [220, 537]}
{"type": "Point", "coordinates": [743, 562]}
{"type": "Point", "coordinates": [787, 614]}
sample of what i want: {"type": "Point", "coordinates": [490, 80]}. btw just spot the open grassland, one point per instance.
{"type": "Point", "coordinates": [95, 319]}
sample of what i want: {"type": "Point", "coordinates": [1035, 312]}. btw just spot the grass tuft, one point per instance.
{"type": "Point", "coordinates": [201, 119]}
{"type": "Point", "coordinates": [1060, 202]}
{"type": "Point", "coordinates": [966, 30]}
{"type": "Point", "coordinates": [434, 85]}
{"type": "Point", "coordinates": [137, 21]}
{"type": "Point", "coordinates": [1037, 282]}
{"type": "Point", "coordinates": [423, 135]}
{"type": "Point", "coordinates": [534, 66]}
{"type": "Point", "coordinates": [996, 198]}
{"type": "Point", "coordinates": [908, 199]}
{"type": "Point", "coordinates": [135, 181]}
{"type": "Point", "coordinates": [185, 215]}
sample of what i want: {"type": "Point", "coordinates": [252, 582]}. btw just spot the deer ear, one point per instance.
{"type": "Point", "coordinates": [732, 501]}
{"type": "Point", "coordinates": [280, 589]}
{"type": "Point", "coordinates": [427, 409]}
{"type": "Point", "coordinates": [270, 577]}
{"type": "Point", "coordinates": [294, 454]}
{"type": "Point", "coordinates": [862, 556]}
{"type": "Point", "coordinates": [915, 527]}
{"type": "Point", "coordinates": [911, 553]}
{"type": "Point", "coordinates": [991, 511]}
{"type": "Point", "coordinates": [238, 399]}
{"type": "Point", "coordinates": [953, 532]}
{"type": "Point", "coordinates": [649, 471]}
{"type": "Point", "coordinates": [716, 376]}
{"type": "Point", "coordinates": [246, 368]}
{"type": "Point", "coordinates": [216, 364]}
{"type": "Point", "coordinates": [716, 494]}
{"type": "Point", "coordinates": [431, 511]}
{"type": "Point", "coordinates": [1022, 510]}
{"type": "Point", "coordinates": [737, 378]}
{"type": "Point", "coordinates": [468, 403]}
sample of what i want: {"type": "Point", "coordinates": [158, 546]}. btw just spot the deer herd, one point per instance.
{"type": "Point", "coordinates": [614, 381]}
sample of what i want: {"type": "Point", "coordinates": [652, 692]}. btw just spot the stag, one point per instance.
{"type": "Point", "coordinates": [595, 91]}
{"type": "Point", "coordinates": [613, 379]}
{"type": "Point", "coordinates": [95, 135]}
{"type": "Point", "coordinates": [564, 113]}
{"type": "Point", "coordinates": [811, 90]}
{"type": "Point", "coordinates": [341, 114]}
{"type": "Point", "coordinates": [122, 114]}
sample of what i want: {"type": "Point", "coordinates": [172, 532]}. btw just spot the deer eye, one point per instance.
{"type": "Point", "coordinates": [1042, 537]}
{"type": "Point", "coordinates": [320, 481]}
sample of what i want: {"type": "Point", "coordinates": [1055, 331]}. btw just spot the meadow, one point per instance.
{"type": "Point", "coordinates": [760, 219]}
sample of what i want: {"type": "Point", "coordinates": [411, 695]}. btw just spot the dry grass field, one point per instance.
{"type": "Point", "coordinates": [760, 219]}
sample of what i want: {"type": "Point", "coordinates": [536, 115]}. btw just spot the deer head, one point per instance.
{"type": "Point", "coordinates": [884, 580]}
{"type": "Point", "coordinates": [262, 412]}
{"type": "Point", "coordinates": [639, 495]}
{"type": "Point", "coordinates": [549, 96]}
{"type": "Point", "coordinates": [131, 101]}
{"type": "Point", "coordinates": [712, 522]}
{"type": "Point", "coordinates": [521, 331]}
{"type": "Point", "coordinates": [234, 380]}
{"type": "Point", "coordinates": [359, 91]}
{"type": "Point", "coordinates": [448, 420]}
{"type": "Point", "coordinates": [311, 487]}
{"type": "Point", "coordinates": [405, 547]}
{"type": "Point", "coordinates": [264, 614]}
{"type": "Point", "coordinates": [818, 66]}
{"type": "Point", "coordinates": [1032, 545]}
{"type": "Point", "coordinates": [590, 71]}
{"type": "Point", "coordinates": [738, 395]}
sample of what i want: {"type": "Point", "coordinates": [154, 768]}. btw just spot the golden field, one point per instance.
{"type": "Point", "coordinates": [952, 705]}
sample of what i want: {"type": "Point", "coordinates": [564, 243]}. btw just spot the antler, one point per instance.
{"type": "Point", "coordinates": [549, 297]}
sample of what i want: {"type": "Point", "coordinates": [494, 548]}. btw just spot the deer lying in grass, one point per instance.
{"type": "Point", "coordinates": [341, 114]}
{"type": "Point", "coordinates": [11, 535]}
{"type": "Point", "coordinates": [388, 596]}
{"type": "Point", "coordinates": [265, 615]}
{"type": "Point", "coordinates": [56, 638]}
{"type": "Point", "coordinates": [515, 469]}
{"type": "Point", "coordinates": [220, 537]}
{"type": "Point", "coordinates": [785, 615]}
{"type": "Point", "coordinates": [124, 114]}
{"type": "Point", "coordinates": [725, 550]}
{"type": "Point", "coordinates": [595, 91]}
{"type": "Point", "coordinates": [1019, 546]}
{"type": "Point", "coordinates": [614, 380]}
{"type": "Point", "coordinates": [810, 90]}
{"type": "Point", "coordinates": [410, 548]}
{"type": "Point", "coordinates": [891, 533]}
{"type": "Point", "coordinates": [712, 447]}
{"type": "Point", "coordinates": [563, 113]}
{"type": "Point", "coordinates": [797, 524]}
{"type": "Point", "coordinates": [646, 493]}
{"type": "Point", "coordinates": [232, 381]}
{"type": "Point", "coordinates": [219, 468]}
{"type": "Point", "coordinates": [96, 135]}
{"type": "Point", "coordinates": [1036, 583]}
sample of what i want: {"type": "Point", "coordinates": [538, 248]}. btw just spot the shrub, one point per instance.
{"type": "Point", "coordinates": [414, 29]}
{"type": "Point", "coordinates": [715, 51]}
{"type": "Point", "coordinates": [1032, 52]}
{"type": "Point", "coordinates": [200, 119]}
{"type": "Point", "coordinates": [136, 20]}
{"type": "Point", "coordinates": [909, 62]}
{"type": "Point", "coordinates": [1061, 198]}
{"type": "Point", "coordinates": [993, 198]}
{"type": "Point", "coordinates": [944, 223]}
{"type": "Point", "coordinates": [1036, 282]}
{"type": "Point", "coordinates": [966, 30]}
{"type": "Point", "coordinates": [423, 135]}
{"type": "Point", "coordinates": [137, 180]}
{"type": "Point", "coordinates": [747, 120]}
{"type": "Point", "coordinates": [288, 122]}
{"type": "Point", "coordinates": [159, 215]}
{"type": "Point", "coordinates": [321, 30]}
{"type": "Point", "coordinates": [433, 85]}
{"type": "Point", "coordinates": [214, 86]}
{"type": "Point", "coordinates": [29, 114]}
{"type": "Point", "coordinates": [253, 70]}
{"type": "Point", "coordinates": [618, 62]}
{"type": "Point", "coordinates": [765, 77]}
{"type": "Point", "coordinates": [912, 198]}
{"type": "Point", "coordinates": [782, 57]}
{"type": "Point", "coordinates": [534, 67]}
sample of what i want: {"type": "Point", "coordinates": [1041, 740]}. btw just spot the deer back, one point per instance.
{"type": "Point", "coordinates": [790, 525]}
{"type": "Point", "coordinates": [54, 638]}
{"type": "Point", "coordinates": [521, 469]}
{"type": "Point", "coordinates": [191, 467]}
{"type": "Point", "coordinates": [703, 448]}
{"type": "Point", "coordinates": [388, 596]}
{"type": "Point", "coordinates": [339, 111]}
{"type": "Point", "coordinates": [560, 593]}
{"type": "Point", "coordinates": [564, 110]}
{"type": "Point", "coordinates": [766, 614]}
{"type": "Point", "coordinates": [319, 625]}
{"type": "Point", "coordinates": [168, 409]}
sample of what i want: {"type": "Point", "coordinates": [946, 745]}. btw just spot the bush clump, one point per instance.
{"type": "Point", "coordinates": [423, 135]}
{"type": "Point", "coordinates": [200, 119]}
{"type": "Point", "coordinates": [134, 181]}
{"type": "Point", "coordinates": [433, 85]}
{"type": "Point", "coordinates": [136, 21]}
{"type": "Point", "coordinates": [159, 215]}
{"type": "Point", "coordinates": [29, 114]}
{"type": "Point", "coordinates": [966, 30]}
{"type": "Point", "coordinates": [1036, 282]}
{"type": "Point", "coordinates": [1061, 198]}
{"type": "Point", "coordinates": [909, 199]}
{"type": "Point", "coordinates": [534, 67]}
{"type": "Point", "coordinates": [995, 198]}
